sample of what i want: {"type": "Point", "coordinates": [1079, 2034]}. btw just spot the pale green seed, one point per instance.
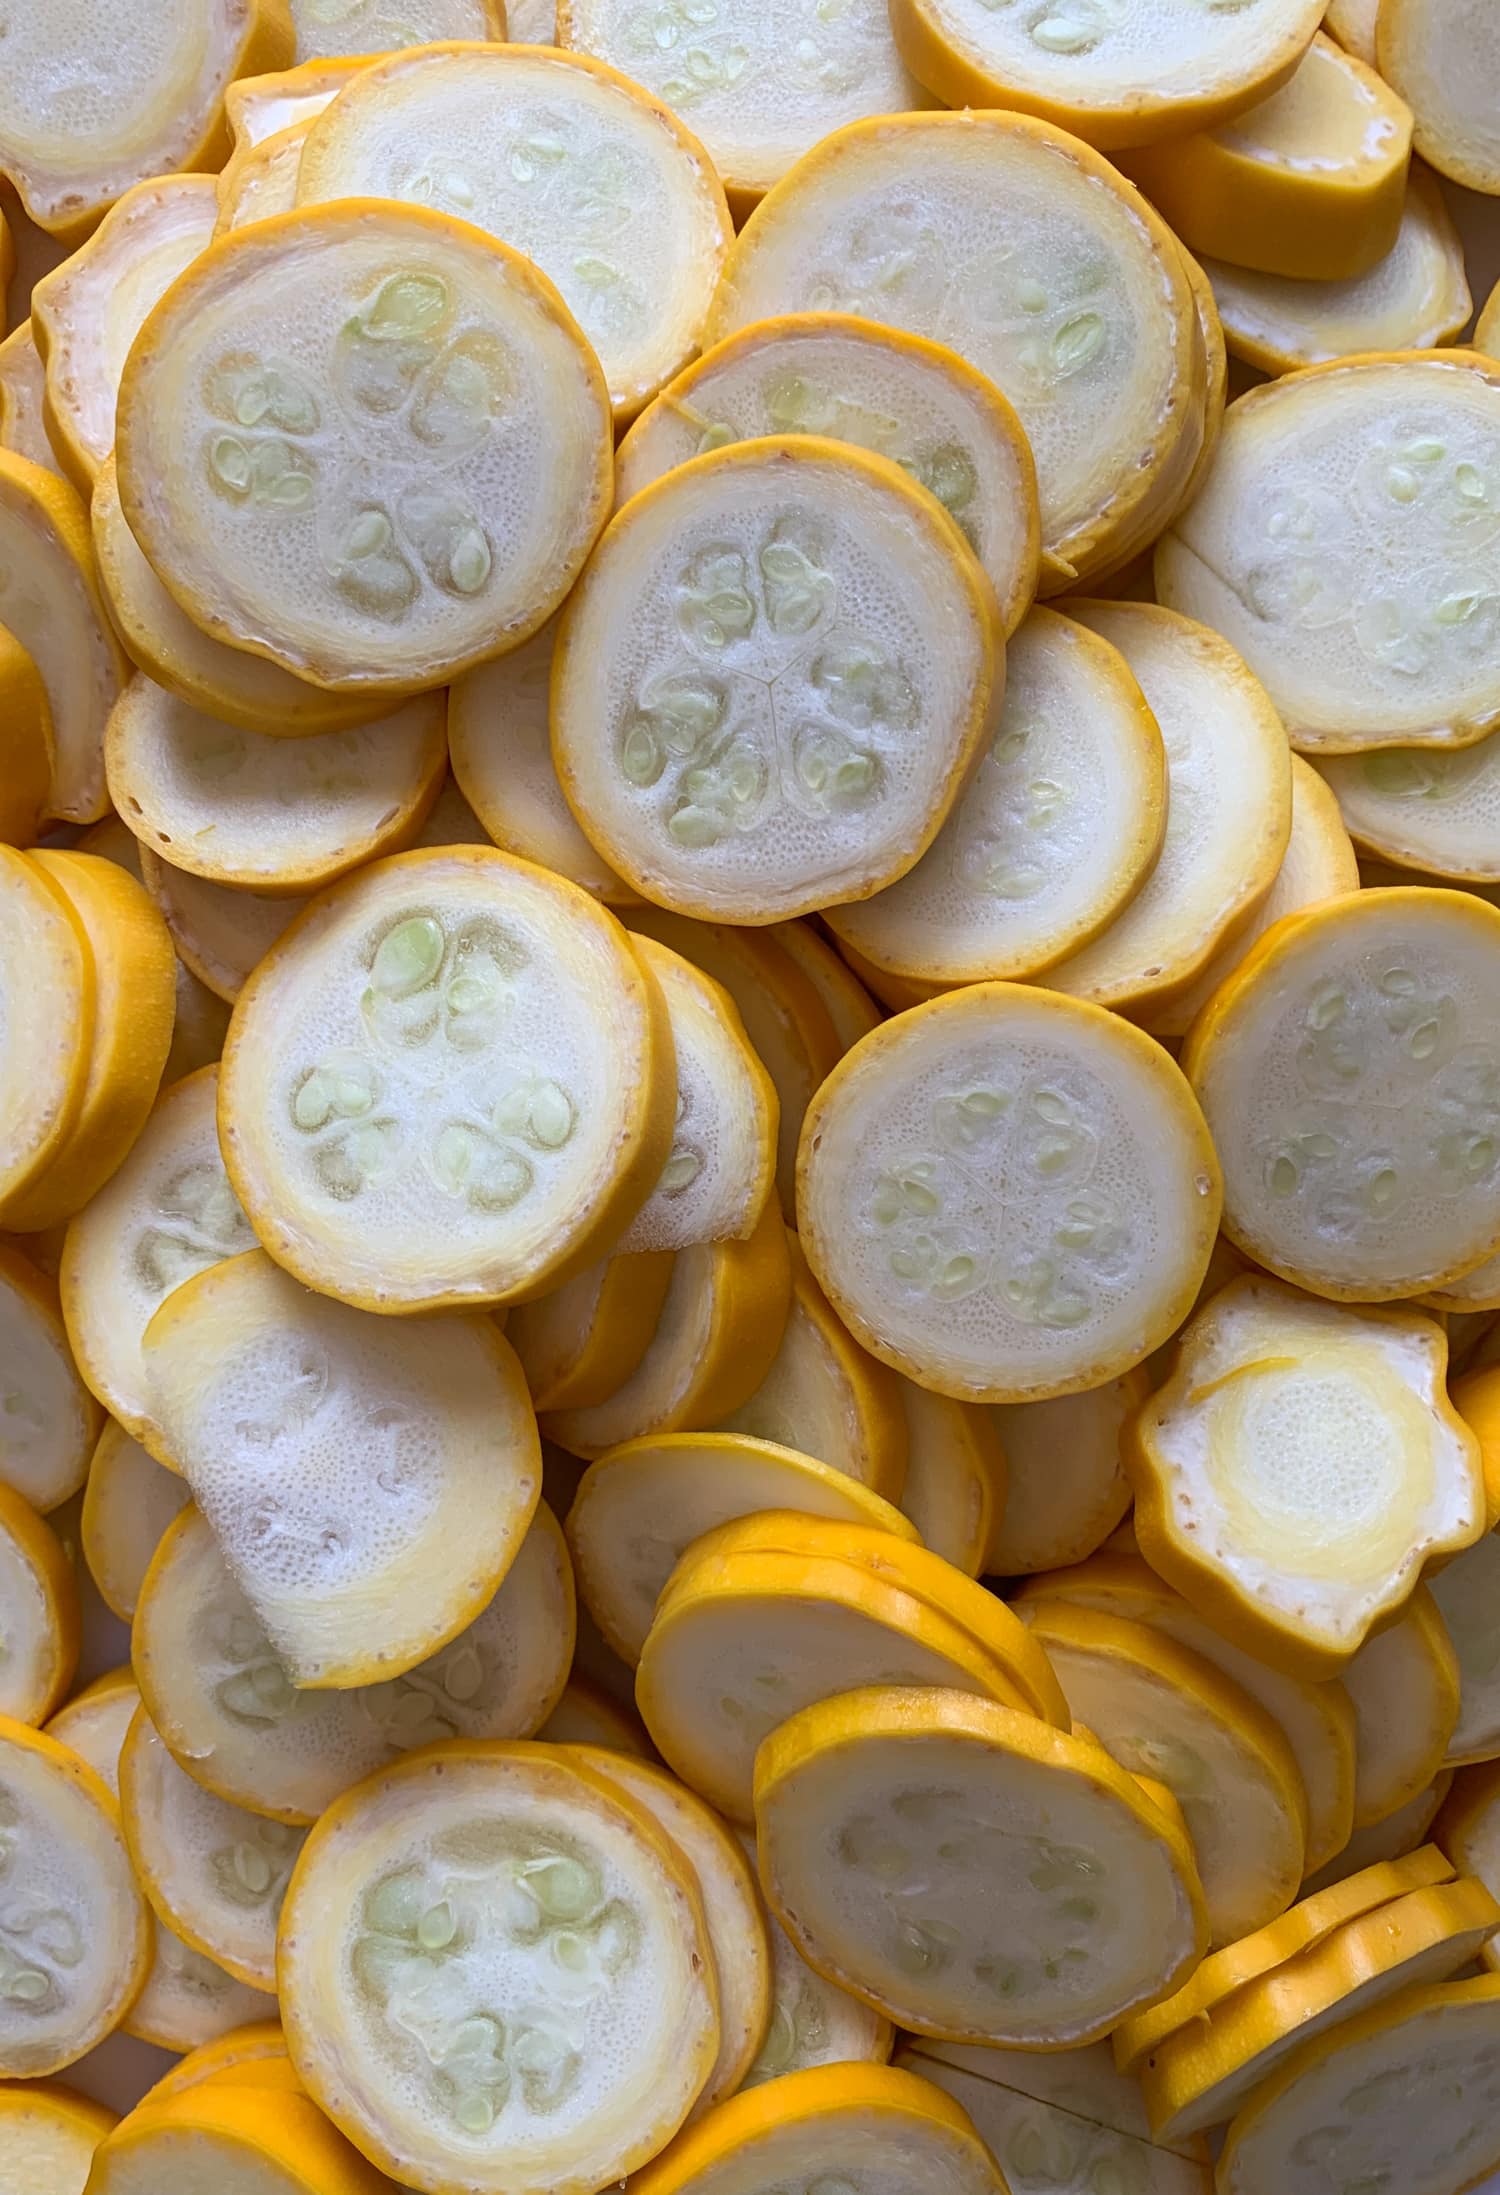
{"type": "Point", "coordinates": [408, 957]}
{"type": "Point", "coordinates": [437, 1927]}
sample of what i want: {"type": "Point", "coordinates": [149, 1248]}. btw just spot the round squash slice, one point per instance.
{"type": "Point", "coordinates": [1352, 23]}
{"type": "Point", "coordinates": [848, 380]}
{"type": "Point", "coordinates": [772, 679]}
{"type": "Point", "coordinates": [501, 749]}
{"type": "Point", "coordinates": [237, 2140]}
{"type": "Point", "coordinates": [337, 27]}
{"type": "Point", "coordinates": [452, 1083]}
{"type": "Point", "coordinates": [1345, 546]}
{"type": "Point", "coordinates": [221, 934]}
{"type": "Point", "coordinates": [95, 1722]}
{"type": "Point", "coordinates": [75, 1938]}
{"type": "Point", "coordinates": [1008, 1195]}
{"type": "Point", "coordinates": [260, 180]}
{"type": "Point", "coordinates": [641, 1505]}
{"type": "Point", "coordinates": [346, 1466]}
{"type": "Point", "coordinates": [1023, 251]}
{"type": "Point", "coordinates": [1443, 58]}
{"type": "Point", "coordinates": [495, 1970]}
{"type": "Point", "coordinates": [284, 815]}
{"type": "Point", "coordinates": [971, 1872]}
{"type": "Point", "coordinates": [22, 388]}
{"type": "Point", "coordinates": [49, 2135]}
{"type": "Point", "coordinates": [168, 1212]}
{"type": "Point", "coordinates": [93, 103]}
{"type": "Point", "coordinates": [48, 1418]}
{"type": "Point", "coordinates": [227, 1709]}
{"type": "Point", "coordinates": [848, 1004]}
{"type": "Point", "coordinates": [257, 107]}
{"type": "Point", "coordinates": [956, 1478]}
{"type": "Point", "coordinates": [1405, 1685]}
{"type": "Point", "coordinates": [1299, 1467]}
{"type": "Point", "coordinates": [1424, 809]}
{"type": "Point", "coordinates": [188, 2000]}
{"type": "Point", "coordinates": [365, 442]}
{"type": "Point", "coordinates": [582, 1341]}
{"type": "Point", "coordinates": [251, 2053]}
{"type": "Point", "coordinates": [1467, 1592]}
{"type": "Point", "coordinates": [1415, 298]}
{"type": "Point", "coordinates": [738, 1926]}
{"type": "Point", "coordinates": [1065, 1487]}
{"type": "Point", "coordinates": [47, 995]}
{"type": "Point", "coordinates": [1056, 832]}
{"type": "Point", "coordinates": [888, 2128]}
{"type": "Point", "coordinates": [88, 312]}
{"type": "Point", "coordinates": [1467, 1829]}
{"type": "Point", "coordinates": [1399, 1834]}
{"type": "Point", "coordinates": [39, 1616]}
{"type": "Point", "coordinates": [811, 2023]}
{"type": "Point", "coordinates": [587, 1714]}
{"type": "Point", "coordinates": [1115, 75]}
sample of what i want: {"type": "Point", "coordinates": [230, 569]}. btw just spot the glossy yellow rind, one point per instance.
{"type": "Point", "coordinates": [241, 2050]}
{"type": "Point", "coordinates": [1404, 1683]}
{"type": "Point", "coordinates": [847, 1003]}
{"type": "Point", "coordinates": [580, 1342]}
{"type": "Point", "coordinates": [57, 1616]}
{"type": "Point", "coordinates": [215, 2130]}
{"type": "Point", "coordinates": [1476, 1398]}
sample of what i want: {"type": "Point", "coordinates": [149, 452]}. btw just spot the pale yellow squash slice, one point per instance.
{"type": "Point", "coordinates": [76, 1952]}
{"type": "Point", "coordinates": [1467, 1592]}
{"type": "Point", "coordinates": [1058, 830]}
{"type": "Point", "coordinates": [1319, 864]}
{"type": "Point", "coordinates": [258, 107]}
{"type": "Point", "coordinates": [1343, 546]}
{"type": "Point", "coordinates": [49, 2134]}
{"type": "Point", "coordinates": [226, 1707]}
{"type": "Point", "coordinates": [188, 2001]}
{"type": "Point", "coordinates": [1008, 1195]}
{"type": "Point", "coordinates": [812, 2023]}
{"type": "Point", "coordinates": [641, 1505]}
{"type": "Point", "coordinates": [201, 1021]}
{"type": "Point", "coordinates": [344, 1464]}
{"type": "Point", "coordinates": [167, 1213]}
{"type": "Point", "coordinates": [25, 745]}
{"type": "Point", "coordinates": [215, 1873]}
{"type": "Point", "coordinates": [166, 644]}
{"type": "Point", "coordinates": [889, 2128]}
{"type": "Point", "coordinates": [1084, 2081]}
{"type": "Point", "coordinates": [1299, 1467]}
{"type": "Point", "coordinates": [1352, 23]}
{"type": "Point", "coordinates": [1405, 1685]}
{"type": "Point", "coordinates": [934, 1854]}
{"type": "Point", "coordinates": [1115, 76]}
{"type": "Point", "coordinates": [1443, 57]}
{"type": "Point", "coordinates": [1310, 182]}
{"type": "Point", "coordinates": [128, 1504]}
{"type": "Point", "coordinates": [737, 1922]}
{"type": "Point", "coordinates": [1065, 1483]}
{"type": "Point", "coordinates": [86, 315]}
{"type": "Point", "coordinates": [772, 680]}
{"type": "Point", "coordinates": [452, 1083]}
{"type": "Point", "coordinates": [1017, 247]}
{"type": "Point", "coordinates": [94, 1723]}
{"type": "Point", "coordinates": [260, 180]}
{"type": "Point", "coordinates": [328, 28]}
{"type": "Point", "coordinates": [226, 2137]}
{"type": "Point", "coordinates": [1317, 1720]}
{"type": "Point", "coordinates": [23, 382]}
{"type": "Point", "coordinates": [283, 816]}
{"type": "Point", "coordinates": [1207, 2072]}
{"type": "Point", "coordinates": [500, 745]}
{"type": "Point", "coordinates": [310, 453]}
{"type": "Point", "coordinates": [49, 1421]}
{"type": "Point", "coordinates": [587, 1714]}
{"type": "Point", "coordinates": [849, 1006]}
{"type": "Point", "coordinates": [252, 2052]}
{"type": "Point", "coordinates": [1415, 297]}
{"type": "Point", "coordinates": [94, 103]}
{"type": "Point", "coordinates": [1423, 809]}
{"type": "Point", "coordinates": [581, 1342]}
{"type": "Point", "coordinates": [560, 157]}
{"type": "Point", "coordinates": [47, 993]}
{"type": "Point", "coordinates": [1170, 1714]}
{"type": "Point", "coordinates": [1409, 2089]}
{"type": "Point", "coordinates": [1399, 1834]}
{"type": "Point", "coordinates": [1344, 1069]}
{"type": "Point", "coordinates": [39, 1615]}
{"type": "Point", "coordinates": [825, 1396]}
{"type": "Point", "coordinates": [1467, 1829]}
{"type": "Point", "coordinates": [565, 1960]}
{"type": "Point", "coordinates": [846, 379]}
{"type": "Point", "coordinates": [221, 934]}
{"type": "Point", "coordinates": [956, 1476]}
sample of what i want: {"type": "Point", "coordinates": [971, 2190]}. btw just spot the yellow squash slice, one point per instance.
{"type": "Point", "coordinates": [370, 1484]}
{"type": "Point", "coordinates": [1399, 1834]}
{"type": "Point", "coordinates": [168, 1212]}
{"type": "Point", "coordinates": [310, 450]}
{"type": "Point", "coordinates": [1172, 1715]}
{"type": "Point", "coordinates": [22, 388]}
{"type": "Point", "coordinates": [1008, 1195]}
{"type": "Point", "coordinates": [737, 1922]}
{"type": "Point", "coordinates": [848, 1004]}
{"type": "Point", "coordinates": [1343, 1073]}
{"type": "Point", "coordinates": [334, 28]}
{"type": "Point", "coordinates": [221, 933]}
{"type": "Point", "coordinates": [39, 1615]}
{"type": "Point", "coordinates": [452, 1083]}
{"type": "Point", "coordinates": [500, 745]}
{"type": "Point", "coordinates": [826, 1397]}
{"type": "Point", "coordinates": [201, 1020]}
{"type": "Point", "coordinates": [772, 680]}
{"type": "Point", "coordinates": [1352, 23]}
{"type": "Point", "coordinates": [239, 2141]}
{"type": "Point", "coordinates": [969, 1871]}
{"type": "Point", "coordinates": [1310, 182]}
{"type": "Point", "coordinates": [188, 2001]}
{"type": "Point", "coordinates": [77, 1939]}
{"type": "Point", "coordinates": [49, 2134]}
{"type": "Point", "coordinates": [567, 161]}
{"type": "Point", "coordinates": [956, 1476]}
{"type": "Point", "coordinates": [260, 180]}
{"type": "Point", "coordinates": [1037, 2141]}
{"type": "Point", "coordinates": [1424, 809]}
{"type": "Point", "coordinates": [1343, 546]}
{"type": "Point", "coordinates": [846, 379]}
{"type": "Point", "coordinates": [1299, 1467]}
{"type": "Point", "coordinates": [27, 745]}
{"type": "Point", "coordinates": [226, 1707]}
{"type": "Point", "coordinates": [1414, 298]}
{"type": "Point", "coordinates": [86, 315]}
{"type": "Point", "coordinates": [1027, 254]}
{"type": "Point", "coordinates": [1205, 2072]}
{"type": "Point", "coordinates": [1065, 1487]}
{"type": "Point", "coordinates": [1317, 1720]}
{"type": "Point", "coordinates": [95, 1721]}
{"type": "Point", "coordinates": [258, 107]}
{"type": "Point", "coordinates": [640, 1506]}
{"type": "Point", "coordinates": [283, 815]}
{"type": "Point", "coordinates": [1467, 1592]}
{"type": "Point", "coordinates": [581, 1342]}
{"type": "Point", "coordinates": [49, 1421]}
{"type": "Point", "coordinates": [251, 2053]}
{"type": "Point", "coordinates": [1405, 1685]}
{"type": "Point", "coordinates": [47, 994]}
{"type": "Point", "coordinates": [1057, 831]}
{"type": "Point", "coordinates": [1467, 1829]}
{"type": "Point", "coordinates": [95, 102]}
{"type": "Point", "coordinates": [812, 2023]}
{"type": "Point", "coordinates": [587, 1714]}
{"type": "Point", "coordinates": [1409, 2090]}
{"type": "Point", "coordinates": [495, 1970]}
{"type": "Point", "coordinates": [889, 2128]}
{"type": "Point", "coordinates": [1443, 58]}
